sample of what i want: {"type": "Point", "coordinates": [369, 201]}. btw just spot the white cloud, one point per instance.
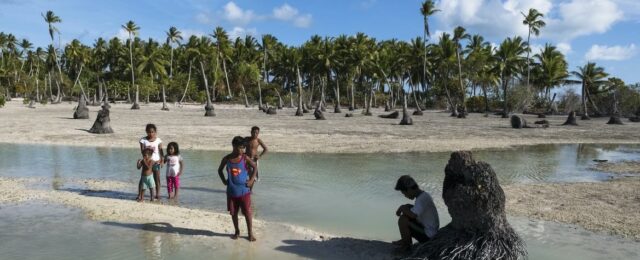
{"type": "Point", "coordinates": [187, 33]}
{"type": "Point", "coordinates": [616, 53]}
{"type": "Point", "coordinates": [285, 12]}
{"type": "Point", "coordinates": [303, 21]}
{"type": "Point", "coordinates": [236, 15]}
{"type": "Point", "coordinates": [631, 8]}
{"type": "Point", "coordinates": [566, 19]}
{"type": "Point", "coordinates": [240, 32]}
{"type": "Point", "coordinates": [122, 34]}
{"type": "Point", "coordinates": [203, 18]}
{"type": "Point", "coordinates": [536, 48]}
{"type": "Point", "coordinates": [565, 48]}
{"type": "Point", "coordinates": [289, 13]}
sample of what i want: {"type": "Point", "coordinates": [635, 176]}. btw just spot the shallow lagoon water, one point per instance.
{"type": "Point", "coordinates": [343, 194]}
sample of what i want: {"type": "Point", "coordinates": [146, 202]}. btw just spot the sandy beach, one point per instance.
{"type": "Point", "coordinates": [611, 207]}
{"type": "Point", "coordinates": [435, 131]}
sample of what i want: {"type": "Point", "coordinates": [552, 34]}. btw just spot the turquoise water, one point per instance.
{"type": "Point", "coordinates": [344, 194]}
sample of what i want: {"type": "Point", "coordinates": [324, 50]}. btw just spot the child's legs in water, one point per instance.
{"type": "Point", "coordinates": [176, 183]}
{"type": "Point", "coordinates": [140, 189]}
{"type": "Point", "coordinates": [156, 178]}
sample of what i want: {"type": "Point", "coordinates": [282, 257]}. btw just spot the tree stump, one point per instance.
{"type": "Point", "coordinates": [82, 111]}
{"type": "Point", "coordinates": [571, 119]}
{"type": "Point", "coordinates": [518, 122]}
{"type": "Point", "coordinates": [406, 118]}
{"type": "Point", "coordinates": [208, 110]}
{"type": "Point", "coordinates": [348, 115]}
{"type": "Point", "coordinates": [102, 125]}
{"type": "Point", "coordinates": [393, 115]}
{"type": "Point", "coordinates": [614, 120]}
{"type": "Point", "coordinates": [135, 106]}
{"type": "Point", "coordinates": [299, 111]}
{"type": "Point", "coordinates": [337, 109]}
{"type": "Point", "coordinates": [318, 114]}
{"type": "Point", "coordinates": [479, 227]}
{"type": "Point", "coordinates": [272, 111]}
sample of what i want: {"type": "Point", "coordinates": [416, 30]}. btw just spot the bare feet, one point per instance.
{"type": "Point", "coordinates": [157, 197]}
{"type": "Point", "coordinates": [235, 236]}
{"type": "Point", "coordinates": [251, 238]}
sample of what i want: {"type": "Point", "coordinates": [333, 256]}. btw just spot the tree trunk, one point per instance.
{"type": "Point", "coordinates": [246, 101]}
{"type": "Point", "coordinates": [136, 104]}
{"type": "Point", "coordinates": [226, 77]}
{"type": "Point", "coordinates": [300, 111]}
{"type": "Point", "coordinates": [585, 114]}
{"type": "Point", "coordinates": [337, 90]}
{"type": "Point", "coordinates": [208, 107]}
{"type": "Point", "coordinates": [462, 87]}
{"type": "Point", "coordinates": [505, 106]}
{"type": "Point", "coordinates": [313, 83]}
{"type": "Point", "coordinates": [186, 87]}
{"type": "Point", "coordinates": [406, 118]}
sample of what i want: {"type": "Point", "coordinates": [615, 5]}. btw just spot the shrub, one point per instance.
{"type": "Point", "coordinates": [2, 101]}
{"type": "Point", "coordinates": [475, 104]}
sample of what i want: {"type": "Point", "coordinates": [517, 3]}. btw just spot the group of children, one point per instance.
{"type": "Point", "coordinates": [241, 165]}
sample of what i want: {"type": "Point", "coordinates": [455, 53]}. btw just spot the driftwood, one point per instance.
{"type": "Point", "coordinates": [571, 119]}
{"type": "Point", "coordinates": [393, 115]}
{"type": "Point", "coordinates": [479, 228]}
{"type": "Point", "coordinates": [82, 111]}
{"type": "Point", "coordinates": [102, 125]}
{"type": "Point", "coordinates": [406, 118]}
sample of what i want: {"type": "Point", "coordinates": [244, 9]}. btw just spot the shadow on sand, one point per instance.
{"type": "Point", "coordinates": [339, 248]}
{"type": "Point", "coordinates": [109, 194]}
{"type": "Point", "coordinates": [163, 227]}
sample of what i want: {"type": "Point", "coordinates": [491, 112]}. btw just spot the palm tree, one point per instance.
{"type": "Point", "coordinates": [132, 29]}
{"type": "Point", "coordinates": [590, 76]}
{"type": "Point", "coordinates": [223, 46]}
{"type": "Point", "coordinates": [173, 37]}
{"type": "Point", "coordinates": [77, 54]}
{"type": "Point", "coordinates": [459, 33]}
{"type": "Point", "coordinates": [155, 64]}
{"type": "Point", "coordinates": [100, 64]}
{"type": "Point", "coordinates": [51, 19]}
{"type": "Point", "coordinates": [533, 20]}
{"type": "Point", "coordinates": [510, 63]}
{"type": "Point", "coordinates": [552, 69]}
{"type": "Point", "coordinates": [427, 9]}
{"type": "Point", "coordinates": [268, 42]}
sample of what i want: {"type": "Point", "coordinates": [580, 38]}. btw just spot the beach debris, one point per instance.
{"type": "Point", "coordinates": [348, 115]}
{"type": "Point", "coordinates": [271, 111]}
{"type": "Point", "coordinates": [82, 111]}
{"type": "Point", "coordinates": [571, 119]}
{"type": "Point", "coordinates": [600, 160]}
{"type": "Point", "coordinates": [479, 228]}
{"type": "Point", "coordinates": [393, 115]}
{"type": "Point", "coordinates": [543, 123]}
{"type": "Point", "coordinates": [102, 125]}
{"type": "Point", "coordinates": [518, 122]}
{"type": "Point", "coordinates": [406, 118]}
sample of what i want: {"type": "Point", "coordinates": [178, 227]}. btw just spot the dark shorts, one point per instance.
{"type": "Point", "coordinates": [156, 167]}
{"type": "Point", "coordinates": [417, 231]}
{"type": "Point", "coordinates": [243, 202]}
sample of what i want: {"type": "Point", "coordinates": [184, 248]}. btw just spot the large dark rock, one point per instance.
{"type": "Point", "coordinates": [571, 119]}
{"type": "Point", "coordinates": [82, 111]}
{"type": "Point", "coordinates": [102, 125]}
{"type": "Point", "coordinates": [518, 122]}
{"type": "Point", "coordinates": [479, 227]}
{"type": "Point", "coordinates": [393, 115]}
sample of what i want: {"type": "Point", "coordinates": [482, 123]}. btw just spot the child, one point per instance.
{"type": "Point", "coordinates": [241, 172]}
{"type": "Point", "coordinates": [175, 168]}
{"type": "Point", "coordinates": [155, 144]}
{"type": "Point", "coordinates": [252, 147]}
{"type": "Point", "coordinates": [146, 178]}
{"type": "Point", "coordinates": [419, 221]}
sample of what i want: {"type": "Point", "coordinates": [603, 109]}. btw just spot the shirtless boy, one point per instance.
{"type": "Point", "coordinates": [253, 143]}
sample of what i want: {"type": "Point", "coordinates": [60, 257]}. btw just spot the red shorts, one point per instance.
{"type": "Point", "coordinates": [242, 202]}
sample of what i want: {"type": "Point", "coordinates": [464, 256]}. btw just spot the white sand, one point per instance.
{"type": "Point", "coordinates": [435, 131]}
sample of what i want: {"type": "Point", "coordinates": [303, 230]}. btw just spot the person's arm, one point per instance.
{"type": "Point", "coordinates": [139, 164]}
{"type": "Point", "coordinates": [406, 210]}
{"type": "Point", "coordinates": [181, 167]}
{"type": "Point", "coordinates": [252, 174]}
{"type": "Point", "coordinates": [264, 148]}
{"type": "Point", "coordinates": [141, 147]}
{"type": "Point", "coordinates": [220, 168]}
{"type": "Point", "coordinates": [161, 154]}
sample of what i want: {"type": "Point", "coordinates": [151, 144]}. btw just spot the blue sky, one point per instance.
{"type": "Point", "coordinates": [604, 31]}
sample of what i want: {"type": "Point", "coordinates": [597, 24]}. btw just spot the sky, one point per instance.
{"type": "Point", "coordinates": [603, 31]}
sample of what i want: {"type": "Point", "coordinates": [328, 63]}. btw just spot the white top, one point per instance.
{"type": "Point", "coordinates": [153, 145]}
{"type": "Point", "coordinates": [173, 165]}
{"type": "Point", "coordinates": [427, 214]}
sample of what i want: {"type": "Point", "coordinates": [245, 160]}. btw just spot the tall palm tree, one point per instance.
{"type": "Point", "coordinates": [223, 46]}
{"type": "Point", "coordinates": [132, 29]}
{"type": "Point", "coordinates": [155, 64]}
{"type": "Point", "coordinates": [510, 62]}
{"type": "Point", "coordinates": [427, 9]}
{"type": "Point", "coordinates": [173, 37]}
{"type": "Point", "coordinates": [590, 76]}
{"type": "Point", "coordinates": [533, 20]}
{"type": "Point", "coordinates": [551, 68]}
{"type": "Point", "coordinates": [459, 33]}
{"type": "Point", "coordinates": [51, 19]}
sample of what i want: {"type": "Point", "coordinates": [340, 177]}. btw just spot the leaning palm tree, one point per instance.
{"type": "Point", "coordinates": [533, 20]}
{"type": "Point", "coordinates": [132, 29]}
{"type": "Point", "coordinates": [223, 46]}
{"type": "Point", "coordinates": [590, 76]}
{"type": "Point", "coordinates": [427, 9]}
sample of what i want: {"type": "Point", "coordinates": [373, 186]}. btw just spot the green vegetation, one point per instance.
{"type": "Point", "coordinates": [461, 72]}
